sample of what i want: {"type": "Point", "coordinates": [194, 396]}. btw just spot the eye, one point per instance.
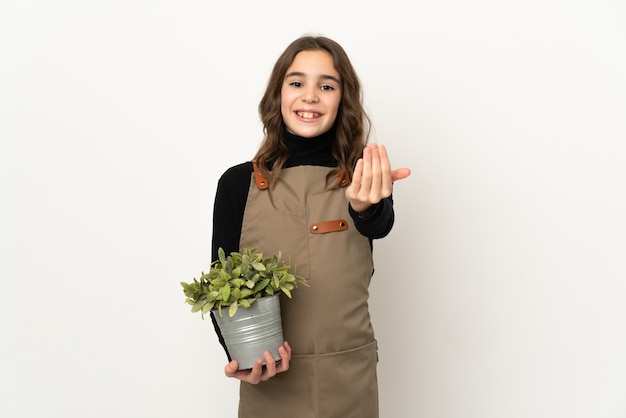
{"type": "Point", "coordinates": [295, 84]}
{"type": "Point", "coordinates": [326, 87]}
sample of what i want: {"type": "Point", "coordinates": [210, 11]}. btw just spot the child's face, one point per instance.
{"type": "Point", "coordinates": [310, 94]}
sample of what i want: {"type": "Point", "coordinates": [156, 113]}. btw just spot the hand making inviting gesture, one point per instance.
{"type": "Point", "coordinates": [372, 179]}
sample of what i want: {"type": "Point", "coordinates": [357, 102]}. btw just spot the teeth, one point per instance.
{"type": "Point", "coordinates": [308, 115]}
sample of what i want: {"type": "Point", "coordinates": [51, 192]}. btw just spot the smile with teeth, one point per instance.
{"type": "Point", "coordinates": [308, 115]}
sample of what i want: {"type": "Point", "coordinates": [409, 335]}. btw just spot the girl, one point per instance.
{"type": "Point", "coordinates": [314, 180]}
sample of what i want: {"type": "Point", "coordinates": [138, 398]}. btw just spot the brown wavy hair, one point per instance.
{"type": "Point", "coordinates": [352, 123]}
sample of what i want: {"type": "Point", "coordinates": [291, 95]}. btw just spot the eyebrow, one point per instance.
{"type": "Point", "coordinates": [323, 76]}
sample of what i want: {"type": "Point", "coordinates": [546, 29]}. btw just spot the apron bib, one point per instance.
{"type": "Point", "coordinates": [332, 372]}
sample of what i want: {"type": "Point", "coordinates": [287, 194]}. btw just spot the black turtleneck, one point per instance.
{"type": "Point", "coordinates": [232, 193]}
{"type": "Point", "coordinates": [310, 151]}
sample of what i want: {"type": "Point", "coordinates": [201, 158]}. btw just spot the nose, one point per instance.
{"type": "Point", "coordinates": [310, 96]}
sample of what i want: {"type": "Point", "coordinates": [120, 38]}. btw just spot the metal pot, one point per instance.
{"type": "Point", "coordinates": [252, 331]}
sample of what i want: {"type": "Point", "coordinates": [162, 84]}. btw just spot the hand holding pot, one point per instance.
{"type": "Point", "coordinates": [258, 373]}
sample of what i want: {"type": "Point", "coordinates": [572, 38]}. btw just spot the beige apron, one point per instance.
{"type": "Point", "coordinates": [332, 371]}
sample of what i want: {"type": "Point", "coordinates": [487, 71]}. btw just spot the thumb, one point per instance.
{"type": "Point", "coordinates": [400, 174]}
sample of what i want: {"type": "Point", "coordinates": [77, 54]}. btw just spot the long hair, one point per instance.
{"type": "Point", "coordinates": [352, 123]}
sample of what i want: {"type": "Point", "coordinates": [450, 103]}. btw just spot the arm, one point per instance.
{"type": "Point", "coordinates": [228, 208]}
{"type": "Point", "coordinates": [377, 223]}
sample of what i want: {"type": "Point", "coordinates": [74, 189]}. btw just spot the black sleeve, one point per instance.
{"type": "Point", "coordinates": [228, 208]}
{"type": "Point", "coordinates": [379, 223]}
{"type": "Point", "coordinates": [230, 202]}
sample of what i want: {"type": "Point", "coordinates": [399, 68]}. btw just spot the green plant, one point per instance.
{"type": "Point", "coordinates": [239, 280]}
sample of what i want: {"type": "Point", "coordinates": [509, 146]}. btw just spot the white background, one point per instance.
{"type": "Point", "coordinates": [499, 294]}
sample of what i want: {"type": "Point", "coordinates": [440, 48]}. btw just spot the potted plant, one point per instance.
{"type": "Point", "coordinates": [245, 280]}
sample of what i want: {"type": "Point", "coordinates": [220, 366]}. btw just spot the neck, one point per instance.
{"type": "Point", "coordinates": [310, 151]}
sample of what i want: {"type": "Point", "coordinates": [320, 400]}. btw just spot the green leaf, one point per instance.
{"type": "Point", "coordinates": [236, 258]}
{"type": "Point", "coordinates": [233, 309]}
{"type": "Point", "coordinates": [261, 285]}
{"type": "Point", "coordinates": [237, 282]}
{"type": "Point", "coordinates": [207, 307]}
{"type": "Point", "coordinates": [219, 282]}
{"type": "Point", "coordinates": [198, 305]}
{"type": "Point", "coordinates": [228, 266]}
{"type": "Point", "coordinates": [286, 292]}
{"type": "Point", "coordinates": [246, 272]}
{"type": "Point", "coordinates": [258, 266]}
{"type": "Point", "coordinates": [225, 292]}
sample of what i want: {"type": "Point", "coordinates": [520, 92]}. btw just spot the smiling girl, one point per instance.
{"type": "Point", "coordinates": [314, 179]}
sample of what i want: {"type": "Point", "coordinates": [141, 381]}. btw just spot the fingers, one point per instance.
{"type": "Point", "coordinates": [285, 355]}
{"type": "Point", "coordinates": [273, 367]}
{"type": "Point", "coordinates": [255, 374]}
{"type": "Point", "coordinates": [270, 367]}
{"type": "Point", "coordinates": [377, 174]}
{"type": "Point", "coordinates": [373, 178]}
{"type": "Point", "coordinates": [258, 372]}
{"type": "Point", "coordinates": [385, 172]}
{"type": "Point", "coordinates": [252, 375]}
{"type": "Point", "coordinates": [366, 175]}
{"type": "Point", "coordinates": [231, 368]}
{"type": "Point", "coordinates": [355, 186]}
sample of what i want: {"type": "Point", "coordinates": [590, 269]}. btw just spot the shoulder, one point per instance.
{"type": "Point", "coordinates": [238, 171]}
{"type": "Point", "coordinates": [237, 175]}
